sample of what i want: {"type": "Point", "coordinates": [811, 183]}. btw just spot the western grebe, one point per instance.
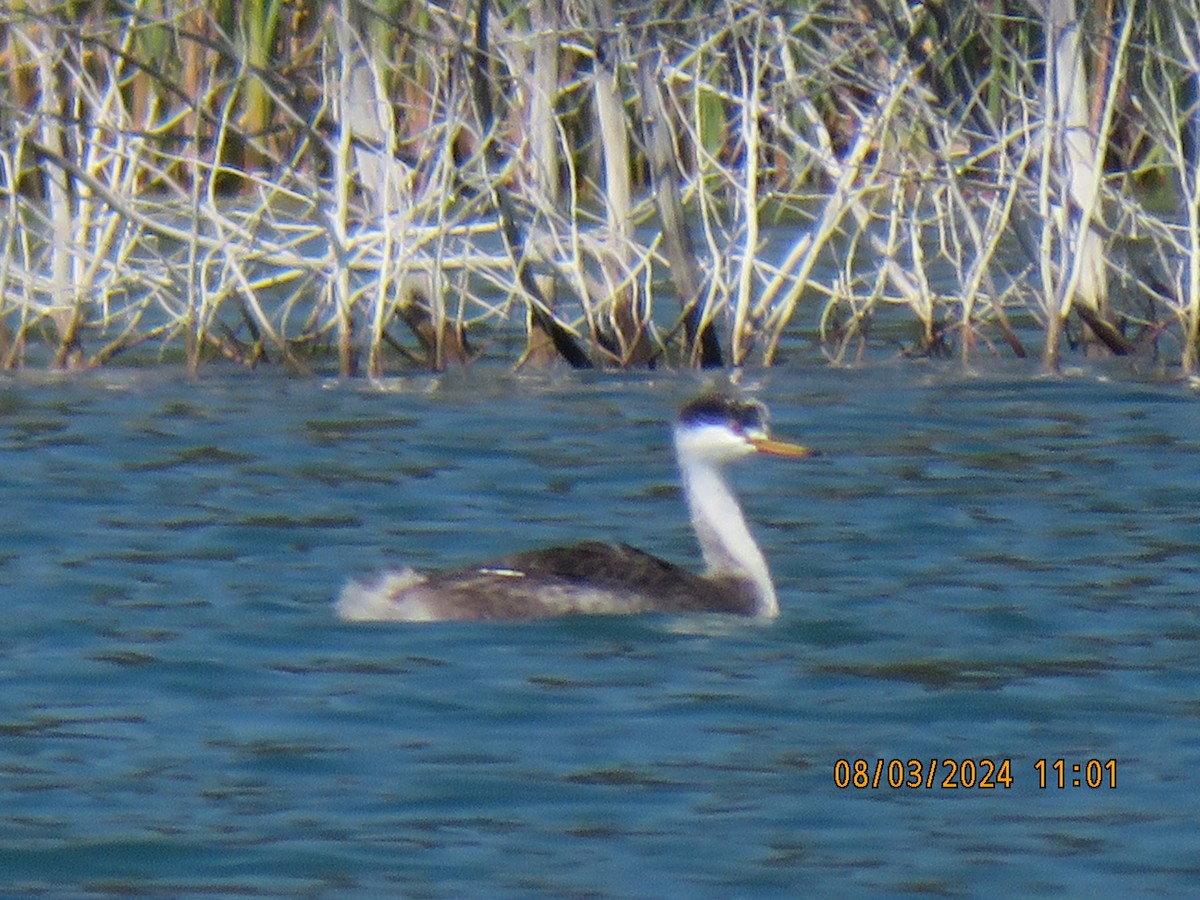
{"type": "Point", "coordinates": [600, 578]}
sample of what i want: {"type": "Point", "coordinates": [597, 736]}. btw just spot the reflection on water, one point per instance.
{"type": "Point", "coordinates": [980, 567]}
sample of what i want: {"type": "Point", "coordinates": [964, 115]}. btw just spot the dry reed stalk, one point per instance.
{"type": "Point", "coordinates": [1188, 167]}
{"type": "Point", "coordinates": [750, 75]}
{"type": "Point", "coordinates": [92, 153]}
{"type": "Point", "coordinates": [542, 128]}
{"type": "Point", "coordinates": [364, 146]}
{"type": "Point", "coordinates": [702, 348]}
{"type": "Point", "coordinates": [856, 178]}
{"type": "Point", "coordinates": [977, 283]}
{"type": "Point", "coordinates": [1082, 283]}
{"type": "Point", "coordinates": [759, 105]}
{"type": "Point", "coordinates": [627, 317]}
{"type": "Point", "coordinates": [38, 42]}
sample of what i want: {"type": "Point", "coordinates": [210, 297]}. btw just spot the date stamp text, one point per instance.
{"type": "Point", "coordinates": [984, 773]}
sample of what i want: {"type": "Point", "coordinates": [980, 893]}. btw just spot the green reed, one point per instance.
{"type": "Point", "coordinates": [398, 184]}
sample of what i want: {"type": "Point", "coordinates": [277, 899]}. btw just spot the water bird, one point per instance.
{"type": "Point", "coordinates": [600, 578]}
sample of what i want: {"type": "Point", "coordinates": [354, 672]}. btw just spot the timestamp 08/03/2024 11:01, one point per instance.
{"type": "Point", "coordinates": [985, 773]}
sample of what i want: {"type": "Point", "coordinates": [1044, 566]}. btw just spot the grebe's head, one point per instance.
{"type": "Point", "coordinates": [718, 428]}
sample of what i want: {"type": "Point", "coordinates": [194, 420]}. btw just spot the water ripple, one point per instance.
{"type": "Point", "coordinates": [979, 566]}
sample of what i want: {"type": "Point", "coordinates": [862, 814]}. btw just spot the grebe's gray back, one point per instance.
{"type": "Point", "coordinates": [601, 578]}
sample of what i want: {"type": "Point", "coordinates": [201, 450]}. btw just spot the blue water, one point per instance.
{"type": "Point", "coordinates": [989, 566]}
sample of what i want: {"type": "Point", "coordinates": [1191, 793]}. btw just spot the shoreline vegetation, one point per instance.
{"type": "Point", "coordinates": [401, 185]}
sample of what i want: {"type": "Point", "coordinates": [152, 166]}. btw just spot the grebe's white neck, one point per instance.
{"type": "Point", "coordinates": [725, 539]}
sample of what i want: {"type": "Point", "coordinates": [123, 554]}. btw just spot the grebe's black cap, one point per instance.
{"type": "Point", "coordinates": [724, 409]}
